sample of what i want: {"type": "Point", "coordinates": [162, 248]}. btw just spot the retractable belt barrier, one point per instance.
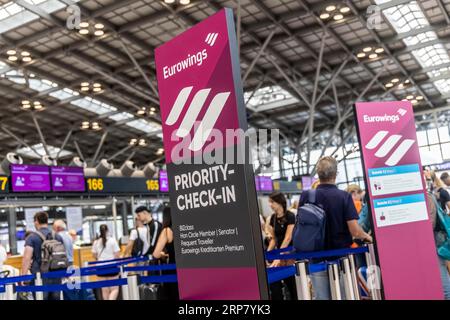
{"type": "Point", "coordinates": [280, 273]}
{"type": "Point", "coordinates": [316, 255]}
{"type": "Point", "coordinates": [119, 266]}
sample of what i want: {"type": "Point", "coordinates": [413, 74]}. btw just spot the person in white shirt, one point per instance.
{"type": "Point", "coordinates": [9, 271]}
{"type": "Point", "coordinates": [106, 248]}
{"type": "Point", "coordinates": [143, 233]}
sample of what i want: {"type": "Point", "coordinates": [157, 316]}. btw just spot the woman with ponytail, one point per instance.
{"type": "Point", "coordinates": [106, 248]}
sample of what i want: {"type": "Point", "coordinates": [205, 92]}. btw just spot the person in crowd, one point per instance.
{"type": "Point", "coordinates": [140, 231]}
{"type": "Point", "coordinates": [60, 228]}
{"type": "Point", "coordinates": [439, 236]}
{"type": "Point", "coordinates": [165, 250]}
{"type": "Point", "coordinates": [356, 193]}
{"type": "Point", "coordinates": [31, 261]}
{"type": "Point", "coordinates": [427, 178]}
{"type": "Point", "coordinates": [294, 207]}
{"type": "Point", "coordinates": [364, 216]}
{"type": "Point", "coordinates": [281, 226]}
{"type": "Point", "coordinates": [342, 219]}
{"type": "Point", "coordinates": [440, 191]}
{"type": "Point", "coordinates": [445, 177]}
{"type": "Point", "coordinates": [152, 226]}
{"type": "Point", "coordinates": [106, 248]}
{"type": "Point", "coordinates": [6, 270]}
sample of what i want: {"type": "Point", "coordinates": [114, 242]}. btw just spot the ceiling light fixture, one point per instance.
{"type": "Point", "coordinates": [84, 31]}
{"type": "Point", "coordinates": [324, 16]}
{"type": "Point", "coordinates": [345, 10]}
{"type": "Point", "coordinates": [367, 49]}
{"type": "Point", "coordinates": [92, 87]}
{"type": "Point", "coordinates": [18, 55]}
{"type": "Point", "coordinates": [361, 55]}
{"type": "Point", "coordinates": [86, 125]}
{"type": "Point", "coordinates": [99, 33]}
{"type": "Point", "coordinates": [330, 8]}
{"type": "Point", "coordinates": [373, 56]}
{"type": "Point", "coordinates": [379, 50]}
{"type": "Point", "coordinates": [185, 2]}
{"type": "Point", "coordinates": [32, 105]}
{"type": "Point", "coordinates": [84, 24]}
{"type": "Point", "coordinates": [338, 17]}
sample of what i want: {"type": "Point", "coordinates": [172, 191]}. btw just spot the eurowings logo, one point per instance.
{"type": "Point", "coordinates": [388, 146]}
{"type": "Point", "coordinates": [211, 38]}
{"type": "Point", "coordinates": [401, 112]}
{"type": "Point", "coordinates": [213, 112]}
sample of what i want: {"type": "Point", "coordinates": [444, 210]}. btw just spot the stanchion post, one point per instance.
{"type": "Point", "coordinates": [133, 289]}
{"type": "Point", "coordinates": [9, 292]}
{"type": "Point", "coordinates": [38, 282]}
{"type": "Point", "coordinates": [301, 280]}
{"type": "Point", "coordinates": [125, 289]}
{"type": "Point", "coordinates": [351, 259]}
{"type": "Point", "coordinates": [84, 278]}
{"type": "Point", "coordinates": [348, 281]}
{"type": "Point", "coordinates": [373, 274]}
{"type": "Point", "coordinates": [335, 288]}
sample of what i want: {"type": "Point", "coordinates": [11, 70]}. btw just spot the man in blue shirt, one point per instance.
{"type": "Point", "coordinates": [342, 219]}
{"type": "Point", "coordinates": [31, 260]}
{"type": "Point", "coordinates": [60, 228]}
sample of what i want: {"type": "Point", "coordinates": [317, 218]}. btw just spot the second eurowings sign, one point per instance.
{"type": "Point", "coordinates": [218, 245]}
{"type": "Point", "coordinates": [398, 200]}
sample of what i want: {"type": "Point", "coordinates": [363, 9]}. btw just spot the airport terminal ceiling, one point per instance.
{"type": "Point", "coordinates": [91, 92]}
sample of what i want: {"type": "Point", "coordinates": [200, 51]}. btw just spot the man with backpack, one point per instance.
{"type": "Point", "coordinates": [138, 243]}
{"type": "Point", "coordinates": [44, 252]}
{"type": "Point", "coordinates": [326, 220]}
{"type": "Point", "coordinates": [152, 226]}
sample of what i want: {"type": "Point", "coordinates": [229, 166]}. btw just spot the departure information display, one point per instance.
{"type": "Point", "coordinates": [30, 178]}
{"type": "Point", "coordinates": [263, 184]}
{"type": "Point", "coordinates": [67, 179]}
{"type": "Point", "coordinates": [163, 181]}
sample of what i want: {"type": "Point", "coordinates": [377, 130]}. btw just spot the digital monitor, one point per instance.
{"type": "Point", "coordinates": [67, 179]}
{"type": "Point", "coordinates": [163, 181]}
{"type": "Point", "coordinates": [263, 183]}
{"type": "Point", "coordinates": [30, 178]}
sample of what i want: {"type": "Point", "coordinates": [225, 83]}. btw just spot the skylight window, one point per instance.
{"type": "Point", "coordinates": [41, 85]}
{"type": "Point", "coordinates": [121, 116]}
{"type": "Point", "coordinates": [64, 94]}
{"type": "Point", "coordinates": [13, 15]}
{"type": "Point", "coordinates": [27, 152]}
{"type": "Point", "coordinates": [408, 17]}
{"type": "Point", "coordinates": [269, 97]}
{"type": "Point", "coordinates": [144, 125]}
{"type": "Point", "coordinates": [94, 105]}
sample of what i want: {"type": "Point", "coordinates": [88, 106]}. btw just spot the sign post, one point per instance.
{"type": "Point", "coordinates": [398, 200]}
{"type": "Point", "coordinates": [218, 242]}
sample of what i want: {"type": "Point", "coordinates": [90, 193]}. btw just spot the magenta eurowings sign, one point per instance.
{"type": "Point", "coordinates": [219, 253]}
{"type": "Point", "coordinates": [398, 200]}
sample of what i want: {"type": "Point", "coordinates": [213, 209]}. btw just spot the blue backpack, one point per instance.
{"type": "Point", "coordinates": [310, 224]}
